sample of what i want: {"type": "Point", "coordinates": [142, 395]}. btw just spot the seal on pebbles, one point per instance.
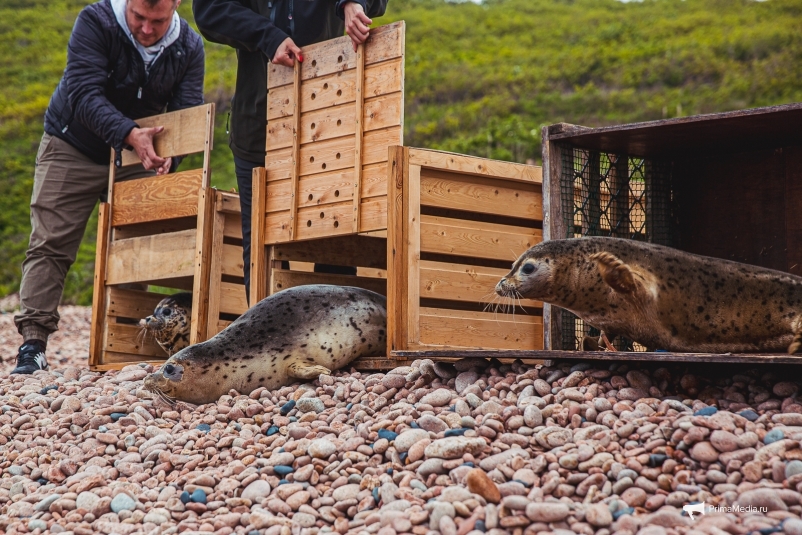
{"type": "Point", "coordinates": [170, 321]}
{"type": "Point", "coordinates": [298, 333]}
{"type": "Point", "coordinates": [663, 298]}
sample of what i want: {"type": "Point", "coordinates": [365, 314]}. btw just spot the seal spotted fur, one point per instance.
{"type": "Point", "coordinates": [298, 333]}
{"type": "Point", "coordinates": [663, 298]}
{"type": "Point", "coordinates": [170, 322]}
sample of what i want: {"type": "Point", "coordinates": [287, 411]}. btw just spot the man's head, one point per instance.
{"type": "Point", "coordinates": [149, 20]}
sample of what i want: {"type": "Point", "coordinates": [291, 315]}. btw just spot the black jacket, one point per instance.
{"type": "Point", "coordinates": [256, 28]}
{"type": "Point", "coordinates": [104, 87]}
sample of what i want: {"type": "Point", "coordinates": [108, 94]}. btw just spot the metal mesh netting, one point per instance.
{"type": "Point", "coordinates": [612, 195]}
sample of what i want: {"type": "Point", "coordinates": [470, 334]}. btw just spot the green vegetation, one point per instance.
{"type": "Point", "coordinates": [480, 79]}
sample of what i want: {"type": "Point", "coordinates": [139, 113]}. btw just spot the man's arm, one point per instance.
{"type": "Point", "coordinates": [231, 23]}
{"type": "Point", "coordinates": [86, 76]}
{"type": "Point", "coordinates": [357, 20]}
{"type": "Point", "coordinates": [372, 8]}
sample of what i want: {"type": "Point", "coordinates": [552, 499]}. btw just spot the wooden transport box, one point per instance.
{"type": "Point", "coordinates": [726, 185]}
{"type": "Point", "coordinates": [171, 231]}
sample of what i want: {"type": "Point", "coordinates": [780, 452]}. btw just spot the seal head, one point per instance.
{"type": "Point", "coordinates": [663, 298]}
{"type": "Point", "coordinates": [170, 323]}
{"type": "Point", "coordinates": [298, 333]}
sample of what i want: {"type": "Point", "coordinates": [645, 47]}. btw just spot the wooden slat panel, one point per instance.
{"type": "Point", "coordinates": [155, 227]}
{"type": "Point", "coordinates": [479, 194]}
{"type": "Point", "coordinates": [337, 89]}
{"type": "Point", "coordinates": [232, 298]}
{"type": "Point", "coordinates": [151, 258]}
{"type": "Point", "coordinates": [278, 164]}
{"type": "Point", "coordinates": [480, 330]}
{"type": "Point", "coordinates": [374, 215]}
{"type": "Point", "coordinates": [477, 239]}
{"type": "Point", "coordinates": [477, 166]}
{"type": "Point", "coordinates": [118, 361]}
{"type": "Point", "coordinates": [339, 153]}
{"type": "Point", "coordinates": [132, 303]}
{"type": "Point", "coordinates": [326, 188]}
{"type": "Point", "coordinates": [460, 282]}
{"type": "Point", "coordinates": [184, 132]}
{"type": "Point", "coordinates": [277, 227]}
{"type": "Point", "coordinates": [351, 250]}
{"type": "Point", "coordinates": [330, 220]}
{"type": "Point", "coordinates": [283, 279]}
{"type": "Point", "coordinates": [397, 249]}
{"type": "Point", "coordinates": [377, 141]}
{"type": "Point", "coordinates": [385, 42]}
{"type": "Point", "coordinates": [232, 262]}
{"type": "Point", "coordinates": [156, 198]}
{"type": "Point", "coordinates": [374, 180]}
{"type": "Point", "coordinates": [279, 195]}
{"type": "Point", "coordinates": [122, 338]}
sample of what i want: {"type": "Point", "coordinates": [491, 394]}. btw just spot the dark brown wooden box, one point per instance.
{"type": "Point", "coordinates": [726, 185]}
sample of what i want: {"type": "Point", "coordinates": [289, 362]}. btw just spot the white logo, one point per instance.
{"type": "Point", "coordinates": [41, 361]}
{"type": "Point", "coordinates": [694, 508]}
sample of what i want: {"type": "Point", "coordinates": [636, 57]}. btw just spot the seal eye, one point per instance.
{"type": "Point", "coordinates": [167, 312]}
{"type": "Point", "coordinates": [528, 269]}
{"type": "Point", "coordinates": [169, 369]}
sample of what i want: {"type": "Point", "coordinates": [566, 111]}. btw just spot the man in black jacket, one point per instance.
{"type": "Point", "coordinates": [126, 59]}
{"type": "Point", "coordinates": [272, 30]}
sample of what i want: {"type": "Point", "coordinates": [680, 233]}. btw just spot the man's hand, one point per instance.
{"type": "Point", "coordinates": [287, 53]}
{"type": "Point", "coordinates": [356, 23]}
{"type": "Point", "coordinates": [141, 139]}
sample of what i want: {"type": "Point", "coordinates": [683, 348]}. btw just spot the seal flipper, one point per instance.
{"type": "Point", "coordinates": [796, 343]}
{"type": "Point", "coordinates": [615, 273]}
{"type": "Point", "coordinates": [305, 371]}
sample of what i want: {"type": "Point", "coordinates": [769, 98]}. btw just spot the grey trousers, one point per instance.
{"type": "Point", "coordinates": [66, 187]}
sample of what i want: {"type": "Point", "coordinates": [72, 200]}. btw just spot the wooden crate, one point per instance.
{"type": "Point", "coordinates": [456, 225]}
{"type": "Point", "coordinates": [172, 231]}
{"type": "Point", "coordinates": [330, 121]}
{"type": "Point", "coordinates": [725, 185]}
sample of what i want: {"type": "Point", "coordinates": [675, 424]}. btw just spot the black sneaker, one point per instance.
{"type": "Point", "coordinates": [31, 357]}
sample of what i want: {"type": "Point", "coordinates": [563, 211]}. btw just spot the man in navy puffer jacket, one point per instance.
{"type": "Point", "coordinates": [126, 59]}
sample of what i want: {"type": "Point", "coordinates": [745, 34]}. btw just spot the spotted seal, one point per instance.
{"type": "Point", "coordinates": [663, 298]}
{"type": "Point", "coordinates": [298, 333]}
{"type": "Point", "coordinates": [170, 322]}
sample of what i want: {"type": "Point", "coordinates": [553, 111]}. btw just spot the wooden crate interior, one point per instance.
{"type": "Point", "coordinates": [457, 223]}
{"type": "Point", "coordinates": [330, 121]}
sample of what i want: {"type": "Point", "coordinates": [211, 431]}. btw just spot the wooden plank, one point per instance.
{"type": "Point", "coordinates": [132, 304]}
{"type": "Point", "coordinates": [232, 262]}
{"type": "Point", "coordinates": [339, 153]}
{"type": "Point", "coordinates": [151, 258]}
{"type": "Point", "coordinates": [277, 227]}
{"type": "Point", "coordinates": [278, 164]}
{"type": "Point", "coordinates": [260, 265]}
{"type": "Point", "coordinates": [329, 220]}
{"type": "Point", "coordinates": [477, 166]}
{"type": "Point", "coordinates": [185, 132]}
{"type": "Point", "coordinates": [155, 227]}
{"type": "Point", "coordinates": [397, 249]}
{"type": "Point", "coordinates": [349, 250]}
{"type": "Point", "coordinates": [232, 301]}
{"type": "Point", "coordinates": [527, 355]}
{"type": "Point", "coordinates": [227, 202]}
{"type": "Point", "coordinates": [131, 340]}
{"type": "Point", "coordinates": [156, 198]}
{"type": "Point", "coordinates": [335, 55]}
{"type": "Point", "coordinates": [374, 180]}
{"type": "Point", "coordinates": [373, 363]}
{"type": "Point", "coordinates": [99, 285]}
{"type": "Point", "coordinates": [456, 328]}
{"type": "Point", "coordinates": [203, 261]}
{"type": "Point", "coordinates": [475, 239]}
{"type": "Point", "coordinates": [554, 227]}
{"type": "Point", "coordinates": [326, 188]}
{"type": "Point", "coordinates": [283, 279]}
{"type": "Point", "coordinates": [296, 150]}
{"type": "Point", "coordinates": [118, 361]}
{"type": "Point", "coordinates": [337, 89]}
{"type": "Point", "coordinates": [215, 256]}
{"type": "Point", "coordinates": [360, 126]}
{"type": "Point", "coordinates": [479, 194]}
{"type": "Point", "coordinates": [461, 282]}
{"type": "Point", "coordinates": [233, 226]}
{"type": "Point", "coordinates": [413, 241]}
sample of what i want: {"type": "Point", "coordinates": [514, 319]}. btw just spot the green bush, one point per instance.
{"type": "Point", "coordinates": [480, 79]}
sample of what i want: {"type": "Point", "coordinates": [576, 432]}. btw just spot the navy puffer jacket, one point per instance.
{"type": "Point", "coordinates": [105, 88]}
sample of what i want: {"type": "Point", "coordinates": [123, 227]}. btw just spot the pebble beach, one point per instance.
{"type": "Point", "coordinates": [467, 447]}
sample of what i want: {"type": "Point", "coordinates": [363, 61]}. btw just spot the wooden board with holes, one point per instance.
{"type": "Point", "coordinates": [330, 122]}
